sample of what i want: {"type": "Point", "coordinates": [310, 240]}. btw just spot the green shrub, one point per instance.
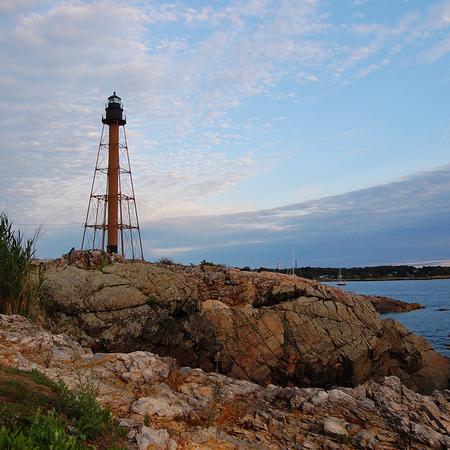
{"type": "Point", "coordinates": [206, 263]}
{"type": "Point", "coordinates": [38, 413]}
{"type": "Point", "coordinates": [40, 378]}
{"type": "Point", "coordinates": [15, 439]}
{"type": "Point", "coordinates": [41, 431]}
{"type": "Point", "coordinates": [19, 287]}
{"type": "Point", "coordinates": [152, 300]}
{"type": "Point", "coordinates": [103, 261]}
{"type": "Point", "coordinates": [166, 261]}
{"type": "Point", "coordinates": [91, 419]}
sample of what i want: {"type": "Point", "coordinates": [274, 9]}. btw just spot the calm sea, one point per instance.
{"type": "Point", "coordinates": [430, 323]}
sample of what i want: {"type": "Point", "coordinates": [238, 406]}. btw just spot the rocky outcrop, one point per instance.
{"type": "Point", "coordinates": [385, 305]}
{"type": "Point", "coordinates": [167, 407]}
{"type": "Point", "coordinates": [267, 328]}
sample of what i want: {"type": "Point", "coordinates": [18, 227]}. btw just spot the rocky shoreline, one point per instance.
{"type": "Point", "coordinates": [164, 406]}
{"type": "Point", "coordinates": [385, 305]}
{"type": "Point", "coordinates": [261, 327]}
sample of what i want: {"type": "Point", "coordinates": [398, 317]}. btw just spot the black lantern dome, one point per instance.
{"type": "Point", "coordinates": [114, 111]}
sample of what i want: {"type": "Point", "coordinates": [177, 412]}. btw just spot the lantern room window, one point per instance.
{"type": "Point", "coordinates": [114, 99]}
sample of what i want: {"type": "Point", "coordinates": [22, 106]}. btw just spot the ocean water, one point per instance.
{"type": "Point", "coordinates": [429, 323]}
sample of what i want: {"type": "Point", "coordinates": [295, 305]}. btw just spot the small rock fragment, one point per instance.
{"type": "Point", "coordinates": [334, 427]}
{"type": "Point", "coordinates": [158, 439]}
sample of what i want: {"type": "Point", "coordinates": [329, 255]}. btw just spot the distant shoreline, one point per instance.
{"type": "Point", "coordinates": [322, 280]}
{"type": "Point", "coordinates": [367, 273]}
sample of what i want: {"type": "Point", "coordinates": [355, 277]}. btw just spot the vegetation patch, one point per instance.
{"type": "Point", "coordinates": [103, 262]}
{"type": "Point", "coordinates": [166, 261]}
{"type": "Point", "coordinates": [206, 263]}
{"type": "Point", "coordinates": [38, 413]}
{"type": "Point", "coordinates": [20, 280]}
{"type": "Point", "coordinates": [152, 300]}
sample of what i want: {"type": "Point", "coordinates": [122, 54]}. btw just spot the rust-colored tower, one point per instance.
{"type": "Point", "coordinates": [111, 218]}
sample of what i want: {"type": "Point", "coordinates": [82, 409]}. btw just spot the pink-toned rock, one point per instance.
{"type": "Point", "coordinates": [165, 407]}
{"type": "Point", "coordinates": [152, 438]}
{"type": "Point", "coordinates": [264, 327]}
{"type": "Point", "coordinates": [385, 305]}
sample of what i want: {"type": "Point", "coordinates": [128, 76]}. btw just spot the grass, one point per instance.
{"type": "Point", "coordinates": [37, 413]}
{"type": "Point", "coordinates": [103, 261]}
{"type": "Point", "coordinates": [207, 263]}
{"type": "Point", "coordinates": [152, 300]}
{"type": "Point", "coordinates": [20, 285]}
{"type": "Point", "coordinates": [166, 261]}
{"type": "Point", "coordinates": [204, 262]}
{"type": "Point", "coordinates": [43, 431]}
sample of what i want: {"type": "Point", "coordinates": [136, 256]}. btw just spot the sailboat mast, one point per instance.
{"type": "Point", "coordinates": [293, 261]}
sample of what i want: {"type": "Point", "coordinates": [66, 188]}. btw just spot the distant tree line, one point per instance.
{"type": "Point", "coordinates": [363, 273]}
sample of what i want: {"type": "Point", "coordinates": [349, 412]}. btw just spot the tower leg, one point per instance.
{"type": "Point", "coordinates": [113, 187]}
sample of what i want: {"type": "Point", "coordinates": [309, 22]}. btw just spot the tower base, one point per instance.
{"type": "Point", "coordinates": [111, 249]}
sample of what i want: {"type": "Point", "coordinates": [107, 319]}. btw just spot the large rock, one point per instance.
{"type": "Point", "coordinates": [165, 407]}
{"type": "Point", "coordinates": [264, 327]}
{"type": "Point", "coordinates": [385, 305]}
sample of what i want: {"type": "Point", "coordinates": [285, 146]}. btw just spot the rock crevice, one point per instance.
{"type": "Point", "coordinates": [263, 327]}
{"type": "Point", "coordinates": [166, 407]}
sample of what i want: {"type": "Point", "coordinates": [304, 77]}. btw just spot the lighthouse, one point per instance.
{"type": "Point", "coordinates": [112, 223]}
{"type": "Point", "coordinates": [114, 119]}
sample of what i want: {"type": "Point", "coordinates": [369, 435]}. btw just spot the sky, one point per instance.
{"type": "Point", "coordinates": [255, 128]}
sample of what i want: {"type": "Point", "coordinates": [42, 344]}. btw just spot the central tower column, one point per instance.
{"type": "Point", "coordinates": [113, 187]}
{"type": "Point", "coordinates": [114, 119]}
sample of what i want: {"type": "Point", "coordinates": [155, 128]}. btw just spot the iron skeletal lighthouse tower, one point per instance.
{"type": "Point", "coordinates": [112, 222]}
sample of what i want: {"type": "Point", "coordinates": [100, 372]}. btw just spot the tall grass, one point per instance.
{"type": "Point", "coordinates": [20, 285]}
{"type": "Point", "coordinates": [42, 431]}
{"type": "Point", "coordinates": [37, 413]}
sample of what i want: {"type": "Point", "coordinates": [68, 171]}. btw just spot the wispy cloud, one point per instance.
{"type": "Point", "coordinates": [59, 62]}
{"type": "Point", "coordinates": [187, 75]}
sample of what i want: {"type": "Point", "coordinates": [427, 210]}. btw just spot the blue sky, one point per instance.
{"type": "Point", "coordinates": [235, 107]}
